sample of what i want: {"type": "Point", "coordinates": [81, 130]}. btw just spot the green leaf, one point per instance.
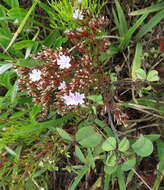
{"type": "Point", "coordinates": [84, 132]}
{"type": "Point", "coordinates": [12, 3]}
{"type": "Point", "coordinates": [111, 160]}
{"type": "Point", "coordinates": [153, 137]}
{"type": "Point", "coordinates": [121, 179]}
{"type": "Point", "coordinates": [96, 98]}
{"type": "Point", "coordinates": [24, 44]}
{"type": "Point", "coordinates": [35, 110]}
{"type": "Point", "coordinates": [109, 144]}
{"type": "Point", "coordinates": [122, 23]}
{"type": "Point", "coordinates": [64, 134]}
{"type": "Point", "coordinates": [137, 60]}
{"type": "Point", "coordinates": [143, 146]}
{"type": "Point", "coordinates": [91, 141]}
{"type": "Point", "coordinates": [17, 13]}
{"type": "Point", "coordinates": [160, 150]}
{"type": "Point", "coordinates": [124, 145]}
{"type": "Point", "coordinates": [110, 169]}
{"type": "Point", "coordinates": [152, 76]}
{"type": "Point", "coordinates": [140, 74]}
{"type": "Point", "coordinates": [148, 10]}
{"type": "Point", "coordinates": [29, 62]}
{"type": "Point", "coordinates": [79, 154]}
{"type": "Point", "coordinates": [128, 165]}
{"type": "Point", "coordinates": [152, 22]}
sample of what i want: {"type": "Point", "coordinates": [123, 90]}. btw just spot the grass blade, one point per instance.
{"type": "Point", "coordinates": [78, 178]}
{"type": "Point", "coordinates": [130, 32]}
{"type": "Point", "coordinates": [137, 60]}
{"type": "Point", "coordinates": [22, 25]}
{"type": "Point", "coordinates": [148, 10]}
{"type": "Point", "coordinates": [123, 27]}
{"type": "Point", "coordinates": [153, 22]}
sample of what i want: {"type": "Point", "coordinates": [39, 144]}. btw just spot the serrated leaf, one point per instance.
{"type": "Point", "coordinates": [141, 74]}
{"type": "Point", "coordinates": [152, 76]}
{"type": "Point", "coordinates": [128, 165]}
{"type": "Point", "coordinates": [109, 144]}
{"type": "Point", "coordinates": [124, 145]}
{"type": "Point", "coordinates": [143, 146]}
{"type": "Point", "coordinates": [64, 134]}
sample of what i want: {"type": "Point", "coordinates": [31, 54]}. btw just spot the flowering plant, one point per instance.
{"type": "Point", "coordinates": [71, 75]}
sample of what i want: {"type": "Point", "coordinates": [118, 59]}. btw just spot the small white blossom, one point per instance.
{"type": "Point", "coordinates": [62, 85]}
{"type": "Point", "coordinates": [64, 62]}
{"type": "Point", "coordinates": [35, 75]}
{"type": "Point", "coordinates": [77, 14]}
{"type": "Point", "coordinates": [74, 98]}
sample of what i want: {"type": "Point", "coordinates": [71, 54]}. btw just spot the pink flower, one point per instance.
{"type": "Point", "coordinates": [74, 98]}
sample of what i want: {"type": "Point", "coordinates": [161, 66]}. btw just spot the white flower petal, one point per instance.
{"type": "Point", "coordinates": [64, 62]}
{"type": "Point", "coordinates": [35, 75]}
{"type": "Point", "coordinates": [62, 85]}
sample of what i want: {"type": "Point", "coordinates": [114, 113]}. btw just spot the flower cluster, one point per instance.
{"type": "Point", "coordinates": [69, 76]}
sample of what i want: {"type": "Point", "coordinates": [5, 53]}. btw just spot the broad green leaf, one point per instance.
{"type": "Point", "coordinates": [128, 165]}
{"type": "Point", "coordinates": [96, 98]}
{"type": "Point", "coordinates": [91, 141]}
{"type": "Point", "coordinates": [79, 154]}
{"type": "Point", "coordinates": [84, 132]}
{"type": "Point", "coordinates": [109, 144]}
{"type": "Point", "coordinates": [104, 126]}
{"type": "Point", "coordinates": [153, 137]}
{"type": "Point", "coordinates": [137, 60]}
{"type": "Point", "coordinates": [110, 169]}
{"type": "Point", "coordinates": [152, 76]}
{"type": "Point", "coordinates": [64, 134]}
{"type": "Point", "coordinates": [111, 160]}
{"type": "Point", "coordinates": [124, 144]}
{"type": "Point", "coordinates": [143, 146]}
{"type": "Point", "coordinates": [140, 74]}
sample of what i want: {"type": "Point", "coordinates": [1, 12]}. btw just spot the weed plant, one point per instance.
{"type": "Point", "coordinates": [62, 95]}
